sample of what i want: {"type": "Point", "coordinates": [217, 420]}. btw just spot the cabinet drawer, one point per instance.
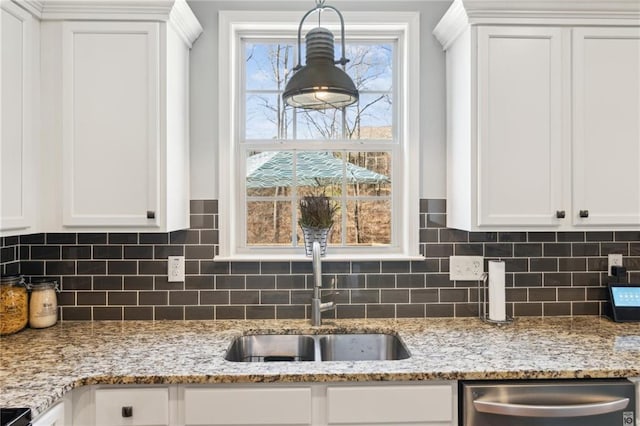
{"type": "Point", "coordinates": [389, 404]}
{"type": "Point", "coordinates": [149, 407]}
{"type": "Point", "coordinates": [246, 406]}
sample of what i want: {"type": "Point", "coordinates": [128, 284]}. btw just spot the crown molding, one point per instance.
{"type": "Point", "coordinates": [127, 10]}
{"type": "Point", "coordinates": [452, 24]}
{"type": "Point", "coordinates": [176, 12]}
{"type": "Point", "coordinates": [34, 7]}
{"type": "Point", "coordinates": [185, 22]}
{"type": "Point", "coordinates": [463, 13]}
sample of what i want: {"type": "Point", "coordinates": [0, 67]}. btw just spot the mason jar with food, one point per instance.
{"type": "Point", "coordinates": [14, 308]}
{"type": "Point", "coordinates": [43, 305]}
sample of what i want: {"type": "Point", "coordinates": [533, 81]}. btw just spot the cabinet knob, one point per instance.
{"type": "Point", "coordinates": [151, 214]}
{"type": "Point", "coordinates": [127, 411]}
{"type": "Point", "coordinates": [584, 213]}
{"type": "Point", "coordinates": [560, 214]}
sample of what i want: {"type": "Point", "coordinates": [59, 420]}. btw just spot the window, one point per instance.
{"type": "Point", "coordinates": [272, 154]}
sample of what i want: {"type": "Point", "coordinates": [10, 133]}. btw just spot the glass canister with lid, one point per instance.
{"type": "Point", "coordinates": [14, 308]}
{"type": "Point", "coordinates": [43, 305]}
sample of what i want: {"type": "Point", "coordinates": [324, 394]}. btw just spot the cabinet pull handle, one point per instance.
{"type": "Point", "coordinates": [560, 214]}
{"type": "Point", "coordinates": [127, 411]}
{"type": "Point", "coordinates": [556, 411]}
{"type": "Point", "coordinates": [151, 214]}
{"type": "Point", "coordinates": [584, 213]}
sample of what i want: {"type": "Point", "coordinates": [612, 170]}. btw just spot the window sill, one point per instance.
{"type": "Point", "coordinates": [327, 258]}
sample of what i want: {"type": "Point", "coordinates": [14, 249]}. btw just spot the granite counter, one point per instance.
{"type": "Point", "coordinates": [37, 367]}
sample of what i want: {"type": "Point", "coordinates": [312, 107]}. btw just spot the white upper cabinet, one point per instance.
{"type": "Point", "coordinates": [542, 115]}
{"type": "Point", "coordinates": [115, 92]}
{"type": "Point", "coordinates": [111, 124]}
{"type": "Point", "coordinates": [519, 132]}
{"type": "Point", "coordinates": [606, 126]}
{"type": "Point", "coordinates": [19, 120]}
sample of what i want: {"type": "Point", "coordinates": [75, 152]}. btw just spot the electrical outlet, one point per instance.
{"type": "Point", "coordinates": [175, 266]}
{"type": "Point", "coordinates": [466, 268]}
{"type": "Point", "coordinates": [614, 260]}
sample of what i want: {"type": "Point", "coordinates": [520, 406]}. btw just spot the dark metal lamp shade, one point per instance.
{"type": "Point", "coordinates": [320, 84]}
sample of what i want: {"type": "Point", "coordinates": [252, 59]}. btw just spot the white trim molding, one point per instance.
{"type": "Point", "coordinates": [463, 13]}
{"type": "Point", "coordinates": [406, 27]}
{"type": "Point", "coordinates": [177, 12]}
{"type": "Point", "coordinates": [185, 22]}
{"type": "Point", "coordinates": [34, 7]}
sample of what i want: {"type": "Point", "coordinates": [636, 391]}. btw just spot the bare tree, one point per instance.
{"type": "Point", "coordinates": [327, 124]}
{"type": "Point", "coordinates": [279, 66]}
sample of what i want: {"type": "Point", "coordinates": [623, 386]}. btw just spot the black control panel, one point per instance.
{"type": "Point", "coordinates": [624, 302]}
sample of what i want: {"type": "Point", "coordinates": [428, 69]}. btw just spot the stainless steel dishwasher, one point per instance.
{"type": "Point", "coordinates": [606, 402]}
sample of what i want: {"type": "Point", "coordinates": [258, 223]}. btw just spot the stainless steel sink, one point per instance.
{"type": "Point", "coordinates": [362, 347]}
{"type": "Point", "coordinates": [271, 348]}
{"type": "Point", "coordinates": [324, 347]}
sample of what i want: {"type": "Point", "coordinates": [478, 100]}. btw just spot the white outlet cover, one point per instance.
{"type": "Point", "coordinates": [175, 268]}
{"type": "Point", "coordinates": [466, 268]}
{"type": "Point", "coordinates": [614, 260]}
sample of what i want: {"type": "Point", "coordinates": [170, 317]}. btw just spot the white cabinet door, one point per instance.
{"type": "Point", "coordinates": [520, 126]}
{"type": "Point", "coordinates": [18, 123]}
{"type": "Point", "coordinates": [254, 404]}
{"type": "Point", "coordinates": [606, 126]}
{"type": "Point", "coordinates": [55, 416]}
{"type": "Point", "coordinates": [111, 131]}
{"type": "Point", "coordinates": [390, 405]}
{"type": "Point", "coordinates": [244, 405]}
{"type": "Point", "coordinates": [133, 406]}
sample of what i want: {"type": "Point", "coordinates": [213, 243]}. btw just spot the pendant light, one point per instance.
{"type": "Point", "coordinates": [320, 84]}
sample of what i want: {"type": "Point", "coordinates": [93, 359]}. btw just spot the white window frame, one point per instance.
{"type": "Point", "coordinates": [405, 182]}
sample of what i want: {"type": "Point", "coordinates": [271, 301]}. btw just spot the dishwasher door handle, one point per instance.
{"type": "Point", "coordinates": [572, 410]}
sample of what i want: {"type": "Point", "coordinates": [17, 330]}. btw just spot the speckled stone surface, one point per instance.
{"type": "Point", "coordinates": [37, 367]}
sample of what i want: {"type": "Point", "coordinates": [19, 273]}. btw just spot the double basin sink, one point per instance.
{"type": "Point", "coordinates": [322, 347]}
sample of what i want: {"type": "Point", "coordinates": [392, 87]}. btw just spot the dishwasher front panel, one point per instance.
{"type": "Point", "coordinates": [607, 402]}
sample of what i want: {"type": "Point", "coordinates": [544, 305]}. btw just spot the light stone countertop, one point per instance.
{"type": "Point", "coordinates": [37, 367]}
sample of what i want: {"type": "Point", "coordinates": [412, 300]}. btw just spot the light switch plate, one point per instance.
{"type": "Point", "coordinates": [466, 268]}
{"type": "Point", "coordinates": [175, 267]}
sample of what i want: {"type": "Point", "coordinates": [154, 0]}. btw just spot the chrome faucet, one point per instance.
{"type": "Point", "coordinates": [317, 307]}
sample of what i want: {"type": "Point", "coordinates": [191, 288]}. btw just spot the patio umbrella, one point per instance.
{"type": "Point", "coordinates": [271, 169]}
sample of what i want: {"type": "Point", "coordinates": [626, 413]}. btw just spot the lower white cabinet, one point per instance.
{"type": "Point", "coordinates": [140, 407]}
{"type": "Point", "coordinates": [131, 405]}
{"type": "Point", "coordinates": [431, 403]}
{"type": "Point", "coordinates": [54, 416]}
{"type": "Point", "coordinates": [247, 405]}
{"type": "Point", "coordinates": [390, 405]}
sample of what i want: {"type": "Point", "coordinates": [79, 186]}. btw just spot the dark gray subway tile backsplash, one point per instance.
{"type": "Point", "coordinates": [122, 276]}
{"type": "Point", "coordinates": [10, 255]}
